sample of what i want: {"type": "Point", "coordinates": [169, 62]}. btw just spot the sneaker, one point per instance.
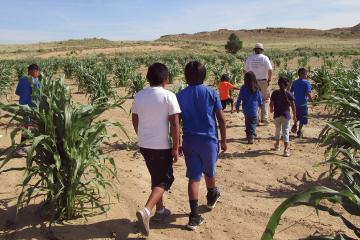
{"type": "Point", "coordinates": [299, 134]}
{"type": "Point", "coordinates": [194, 222]}
{"type": "Point", "coordinates": [212, 200]}
{"type": "Point", "coordinates": [21, 152]}
{"type": "Point", "coordinates": [251, 140]}
{"type": "Point", "coordinates": [159, 217]}
{"type": "Point", "coordinates": [287, 153]}
{"type": "Point", "coordinates": [294, 128]}
{"type": "Point", "coordinates": [144, 221]}
{"type": "Point", "coordinates": [277, 147]}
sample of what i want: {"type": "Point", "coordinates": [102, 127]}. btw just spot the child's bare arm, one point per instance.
{"type": "Point", "coordinates": [293, 108]}
{"type": "Point", "coordinates": [310, 97]}
{"type": "Point", "coordinates": [271, 106]}
{"type": "Point", "coordinates": [135, 122]}
{"type": "Point", "coordinates": [222, 126]}
{"type": "Point", "coordinates": [175, 135]}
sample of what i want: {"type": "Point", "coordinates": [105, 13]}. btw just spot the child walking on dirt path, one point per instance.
{"type": "Point", "coordinates": [155, 117]}
{"type": "Point", "coordinates": [301, 89]}
{"type": "Point", "coordinates": [200, 111]}
{"type": "Point", "coordinates": [24, 90]}
{"type": "Point", "coordinates": [224, 90]}
{"type": "Point", "coordinates": [280, 102]}
{"type": "Point", "coordinates": [251, 100]}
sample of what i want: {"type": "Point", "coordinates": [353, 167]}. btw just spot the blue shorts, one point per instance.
{"type": "Point", "coordinates": [201, 154]}
{"type": "Point", "coordinates": [302, 114]}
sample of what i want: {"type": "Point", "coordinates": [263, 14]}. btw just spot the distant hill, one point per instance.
{"type": "Point", "coordinates": [268, 33]}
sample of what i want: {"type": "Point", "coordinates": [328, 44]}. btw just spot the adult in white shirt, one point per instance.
{"type": "Point", "coordinates": [260, 65]}
{"type": "Point", "coordinates": [155, 117]}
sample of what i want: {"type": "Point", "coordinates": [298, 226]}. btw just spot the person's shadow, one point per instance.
{"type": "Point", "coordinates": [30, 223]}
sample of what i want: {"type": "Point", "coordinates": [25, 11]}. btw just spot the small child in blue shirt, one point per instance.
{"type": "Point", "coordinates": [251, 99]}
{"type": "Point", "coordinates": [301, 89]}
{"type": "Point", "coordinates": [24, 90]}
{"type": "Point", "coordinates": [201, 110]}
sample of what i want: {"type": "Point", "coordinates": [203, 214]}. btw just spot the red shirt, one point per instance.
{"type": "Point", "coordinates": [224, 90]}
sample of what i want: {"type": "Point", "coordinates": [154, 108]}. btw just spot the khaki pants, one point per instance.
{"type": "Point", "coordinates": [265, 92]}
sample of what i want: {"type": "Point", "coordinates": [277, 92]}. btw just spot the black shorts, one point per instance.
{"type": "Point", "coordinates": [160, 165]}
{"type": "Point", "coordinates": [226, 101]}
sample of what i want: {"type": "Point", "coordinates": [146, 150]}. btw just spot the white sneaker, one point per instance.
{"type": "Point", "coordinates": [287, 153]}
{"type": "Point", "coordinates": [276, 147]}
{"type": "Point", "coordinates": [144, 221]}
{"type": "Point", "coordinates": [21, 152]}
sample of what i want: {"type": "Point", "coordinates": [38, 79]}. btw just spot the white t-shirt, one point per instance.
{"type": "Point", "coordinates": [154, 105]}
{"type": "Point", "coordinates": [259, 64]}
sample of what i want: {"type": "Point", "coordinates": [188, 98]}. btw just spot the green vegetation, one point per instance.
{"type": "Point", "coordinates": [233, 44]}
{"type": "Point", "coordinates": [64, 165]}
{"type": "Point", "coordinates": [341, 136]}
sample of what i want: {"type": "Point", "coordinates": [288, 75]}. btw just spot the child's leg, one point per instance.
{"type": "Point", "coordinates": [210, 182]}
{"type": "Point", "coordinates": [193, 172]}
{"type": "Point", "coordinates": [154, 198]}
{"type": "Point", "coordinates": [286, 132]}
{"type": "Point", "coordinates": [247, 127]}
{"type": "Point", "coordinates": [253, 124]}
{"type": "Point", "coordinates": [277, 122]}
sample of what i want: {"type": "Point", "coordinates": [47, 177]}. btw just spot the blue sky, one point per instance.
{"type": "Point", "coordinates": [26, 21]}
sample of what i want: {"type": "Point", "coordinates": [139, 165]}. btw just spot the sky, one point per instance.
{"type": "Point", "coordinates": [31, 21]}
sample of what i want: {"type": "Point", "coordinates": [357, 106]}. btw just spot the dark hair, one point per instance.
{"type": "Point", "coordinates": [157, 73]}
{"type": "Point", "coordinates": [284, 85]}
{"type": "Point", "coordinates": [33, 67]}
{"type": "Point", "coordinates": [225, 77]}
{"type": "Point", "coordinates": [195, 73]}
{"type": "Point", "coordinates": [301, 71]}
{"type": "Point", "coordinates": [251, 82]}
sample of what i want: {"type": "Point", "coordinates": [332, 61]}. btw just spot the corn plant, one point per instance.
{"type": "Point", "coordinates": [289, 74]}
{"type": "Point", "coordinates": [174, 71]}
{"type": "Point", "coordinates": [341, 136]}
{"type": "Point", "coordinates": [6, 80]}
{"type": "Point", "coordinates": [217, 70]}
{"type": "Point", "coordinates": [236, 72]}
{"type": "Point", "coordinates": [64, 165]}
{"type": "Point", "coordinates": [20, 69]}
{"type": "Point", "coordinates": [69, 67]}
{"type": "Point", "coordinates": [123, 70]}
{"type": "Point", "coordinates": [137, 83]}
{"type": "Point", "coordinates": [322, 80]}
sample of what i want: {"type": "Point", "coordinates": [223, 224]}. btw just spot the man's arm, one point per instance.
{"type": "Point", "coordinates": [269, 75]}
{"type": "Point", "coordinates": [293, 108]}
{"type": "Point", "coordinates": [175, 135]}
{"type": "Point", "coordinates": [135, 122]}
{"type": "Point", "coordinates": [222, 126]}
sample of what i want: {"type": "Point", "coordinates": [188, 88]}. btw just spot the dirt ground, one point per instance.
{"type": "Point", "coordinates": [253, 181]}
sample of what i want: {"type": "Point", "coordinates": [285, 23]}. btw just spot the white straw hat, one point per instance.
{"type": "Point", "coordinates": [259, 45]}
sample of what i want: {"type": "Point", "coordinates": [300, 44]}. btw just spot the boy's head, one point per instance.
{"type": "Point", "coordinates": [157, 74]}
{"type": "Point", "coordinates": [283, 83]}
{"type": "Point", "coordinates": [302, 72]}
{"type": "Point", "coordinates": [195, 73]}
{"type": "Point", "coordinates": [225, 78]}
{"type": "Point", "coordinates": [34, 70]}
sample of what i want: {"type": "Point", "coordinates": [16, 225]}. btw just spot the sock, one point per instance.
{"type": "Point", "coordinates": [147, 211]}
{"type": "Point", "coordinates": [161, 211]}
{"type": "Point", "coordinates": [194, 207]}
{"type": "Point", "coordinates": [212, 191]}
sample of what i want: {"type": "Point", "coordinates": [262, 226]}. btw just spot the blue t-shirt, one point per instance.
{"type": "Point", "coordinates": [250, 101]}
{"type": "Point", "coordinates": [24, 90]}
{"type": "Point", "coordinates": [301, 88]}
{"type": "Point", "coordinates": [198, 104]}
